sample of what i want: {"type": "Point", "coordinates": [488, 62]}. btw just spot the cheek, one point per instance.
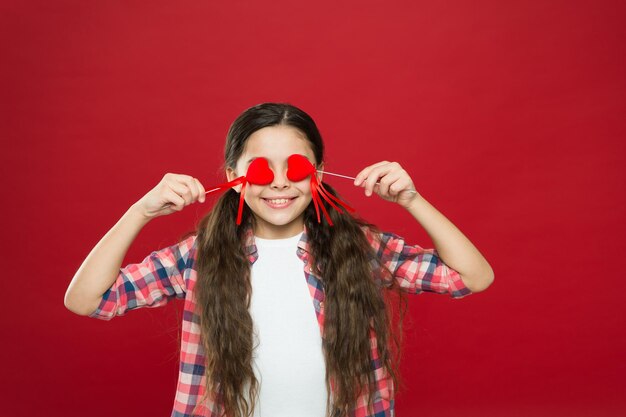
{"type": "Point", "coordinates": [253, 191]}
{"type": "Point", "coordinates": [304, 186]}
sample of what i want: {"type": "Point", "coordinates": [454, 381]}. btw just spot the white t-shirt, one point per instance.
{"type": "Point", "coordinates": [288, 361]}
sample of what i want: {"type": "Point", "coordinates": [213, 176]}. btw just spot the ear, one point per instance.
{"type": "Point", "coordinates": [320, 174]}
{"type": "Point", "coordinates": [231, 174]}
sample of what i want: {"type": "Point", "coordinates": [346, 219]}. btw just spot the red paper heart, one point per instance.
{"type": "Point", "coordinates": [259, 172]}
{"type": "Point", "coordinates": [299, 168]}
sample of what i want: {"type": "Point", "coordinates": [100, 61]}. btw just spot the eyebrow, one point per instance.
{"type": "Point", "coordinates": [255, 157]}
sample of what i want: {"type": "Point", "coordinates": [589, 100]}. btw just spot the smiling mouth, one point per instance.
{"type": "Point", "coordinates": [278, 202]}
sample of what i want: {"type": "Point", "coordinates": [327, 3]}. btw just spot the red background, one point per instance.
{"type": "Point", "coordinates": [509, 116]}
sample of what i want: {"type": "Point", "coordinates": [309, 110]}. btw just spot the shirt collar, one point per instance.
{"type": "Point", "coordinates": [250, 248]}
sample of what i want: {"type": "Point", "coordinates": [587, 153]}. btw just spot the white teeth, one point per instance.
{"type": "Point", "coordinates": [281, 201]}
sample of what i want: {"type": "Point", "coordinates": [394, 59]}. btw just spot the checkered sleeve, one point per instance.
{"type": "Point", "coordinates": [150, 283]}
{"type": "Point", "coordinates": [414, 268]}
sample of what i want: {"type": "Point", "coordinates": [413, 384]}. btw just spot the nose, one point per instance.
{"type": "Point", "coordinates": [280, 181]}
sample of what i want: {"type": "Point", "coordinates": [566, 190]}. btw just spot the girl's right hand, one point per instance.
{"type": "Point", "coordinates": [173, 193]}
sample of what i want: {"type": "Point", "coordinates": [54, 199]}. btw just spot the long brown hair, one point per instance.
{"type": "Point", "coordinates": [352, 276]}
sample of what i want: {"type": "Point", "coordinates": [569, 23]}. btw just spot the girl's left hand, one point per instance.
{"type": "Point", "coordinates": [395, 183]}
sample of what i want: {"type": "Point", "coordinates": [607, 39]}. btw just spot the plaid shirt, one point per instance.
{"type": "Point", "coordinates": [170, 272]}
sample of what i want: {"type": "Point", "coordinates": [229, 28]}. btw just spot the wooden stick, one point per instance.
{"type": "Point", "coordinates": [353, 178]}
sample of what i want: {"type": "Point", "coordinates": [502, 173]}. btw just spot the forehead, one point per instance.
{"type": "Point", "coordinates": [276, 143]}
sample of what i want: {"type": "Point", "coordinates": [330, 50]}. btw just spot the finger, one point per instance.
{"type": "Point", "coordinates": [386, 182]}
{"type": "Point", "coordinates": [399, 186]}
{"type": "Point", "coordinates": [361, 176]}
{"type": "Point", "coordinates": [373, 177]}
{"type": "Point", "coordinates": [190, 183]}
{"type": "Point", "coordinates": [392, 173]}
{"type": "Point", "coordinates": [181, 190]}
{"type": "Point", "coordinates": [176, 201]}
{"type": "Point", "coordinates": [195, 190]}
{"type": "Point", "coordinates": [202, 197]}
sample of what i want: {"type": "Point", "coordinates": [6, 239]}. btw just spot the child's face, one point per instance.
{"type": "Point", "coordinates": [276, 219]}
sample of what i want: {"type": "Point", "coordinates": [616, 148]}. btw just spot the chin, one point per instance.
{"type": "Point", "coordinates": [280, 219]}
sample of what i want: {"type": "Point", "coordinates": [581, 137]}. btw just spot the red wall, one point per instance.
{"type": "Point", "coordinates": [509, 116]}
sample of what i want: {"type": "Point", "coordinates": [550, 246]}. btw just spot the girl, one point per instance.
{"type": "Point", "coordinates": [251, 344]}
